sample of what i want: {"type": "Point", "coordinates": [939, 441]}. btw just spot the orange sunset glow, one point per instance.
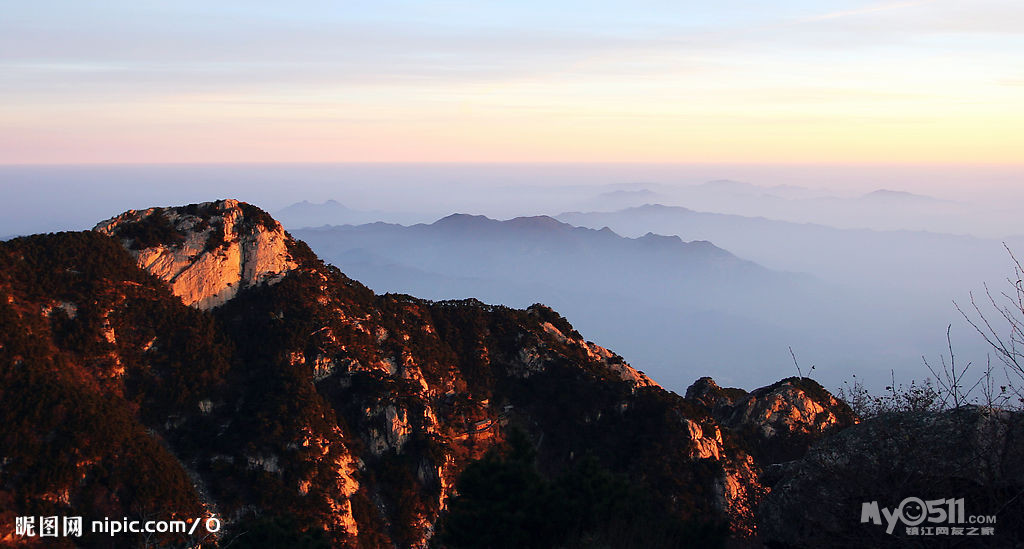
{"type": "Point", "coordinates": [853, 82]}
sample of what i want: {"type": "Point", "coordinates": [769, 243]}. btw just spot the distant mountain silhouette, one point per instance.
{"type": "Point", "coordinates": [901, 196]}
{"type": "Point", "coordinates": [850, 256]}
{"type": "Point", "coordinates": [629, 194]}
{"type": "Point", "coordinates": [881, 209]}
{"type": "Point", "coordinates": [464, 245]}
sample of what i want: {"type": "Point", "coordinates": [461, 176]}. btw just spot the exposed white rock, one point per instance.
{"type": "Point", "coordinates": [250, 254]}
{"type": "Point", "coordinates": [615, 364]}
{"type": "Point", "coordinates": [787, 409]}
{"type": "Point", "coordinates": [705, 444]}
{"type": "Point", "coordinates": [323, 367]}
{"type": "Point", "coordinates": [108, 333]}
{"type": "Point", "coordinates": [267, 463]}
{"type": "Point", "coordinates": [69, 308]}
{"type": "Point", "coordinates": [398, 426]}
{"type": "Point", "coordinates": [414, 373]}
{"type": "Point", "coordinates": [149, 345]}
{"type": "Point", "coordinates": [733, 488]}
{"type": "Point", "coordinates": [346, 469]}
{"type": "Point", "coordinates": [628, 373]}
{"type": "Point", "coordinates": [395, 433]}
{"type": "Point", "coordinates": [530, 361]}
{"type": "Point", "coordinates": [553, 331]}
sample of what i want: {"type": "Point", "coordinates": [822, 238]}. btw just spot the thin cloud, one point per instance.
{"type": "Point", "coordinates": [863, 11]}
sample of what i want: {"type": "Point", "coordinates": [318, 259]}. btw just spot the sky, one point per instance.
{"type": "Point", "coordinates": [904, 82]}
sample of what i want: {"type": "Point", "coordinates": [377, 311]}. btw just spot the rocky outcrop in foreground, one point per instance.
{"type": "Point", "coordinates": [206, 252]}
{"type": "Point", "coordinates": [859, 488]}
{"type": "Point", "coordinates": [780, 421]}
{"type": "Point", "coordinates": [181, 362]}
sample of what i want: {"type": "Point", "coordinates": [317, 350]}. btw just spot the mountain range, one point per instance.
{"type": "Point", "coordinates": [197, 360]}
{"type": "Point", "coordinates": [198, 364]}
{"type": "Point", "coordinates": [678, 308]}
{"type": "Point", "coordinates": [850, 256]}
{"type": "Point", "coordinates": [677, 305]}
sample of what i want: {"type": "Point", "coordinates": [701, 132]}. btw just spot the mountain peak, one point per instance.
{"type": "Point", "coordinates": [657, 208]}
{"type": "Point", "coordinates": [902, 196]}
{"type": "Point", "coordinates": [536, 221]}
{"type": "Point", "coordinates": [207, 252]}
{"type": "Point", "coordinates": [459, 219]}
{"type": "Point", "coordinates": [669, 239]}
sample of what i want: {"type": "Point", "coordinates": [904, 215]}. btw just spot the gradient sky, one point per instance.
{"type": "Point", "coordinates": [101, 81]}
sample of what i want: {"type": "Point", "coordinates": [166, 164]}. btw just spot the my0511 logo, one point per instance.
{"type": "Point", "coordinates": [944, 517]}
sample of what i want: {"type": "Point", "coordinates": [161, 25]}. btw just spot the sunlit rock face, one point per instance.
{"type": "Point", "coordinates": [205, 252]}
{"type": "Point", "coordinates": [597, 353]}
{"type": "Point", "coordinates": [749, 432]}
{"type": "Point", "coordinates": [795, 406]}
{"type": "Point", "coordinates": [778, 422]}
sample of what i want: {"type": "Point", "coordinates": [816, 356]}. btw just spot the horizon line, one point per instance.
{"type": "Point", "coordinates": [504, 163]}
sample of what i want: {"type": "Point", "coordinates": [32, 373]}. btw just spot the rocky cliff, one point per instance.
{"type": "Point", "coordinates": [206, 252]}
{"type": "Point", "coordinates": [292, 398]}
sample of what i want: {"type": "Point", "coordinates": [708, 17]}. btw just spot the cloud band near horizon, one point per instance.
{"type": "Point", "coordinates": [916, 81]}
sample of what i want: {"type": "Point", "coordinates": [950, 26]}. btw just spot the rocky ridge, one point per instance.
{"type": "Point", "coordinates": [289, 387]}
{"type": "Point", "coordinates": [780, 421]}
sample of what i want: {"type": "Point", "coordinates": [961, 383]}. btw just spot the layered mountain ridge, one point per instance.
{"type": "Point", "coordinates": [678, 309]}
{"type": "Point", "coordinates": [180, 362]}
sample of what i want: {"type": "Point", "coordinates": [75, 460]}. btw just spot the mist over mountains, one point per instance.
{"type": "Point", "coordinates": [667, 303]}
{"type": "Point", "coordinates": [919, 262]}
{"type": "Point", "coordinates": [675, 308]}
{"type": "Point", "coordinates": [858, 300]}
{"type": "Point", "coordinates": [983, 196]}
